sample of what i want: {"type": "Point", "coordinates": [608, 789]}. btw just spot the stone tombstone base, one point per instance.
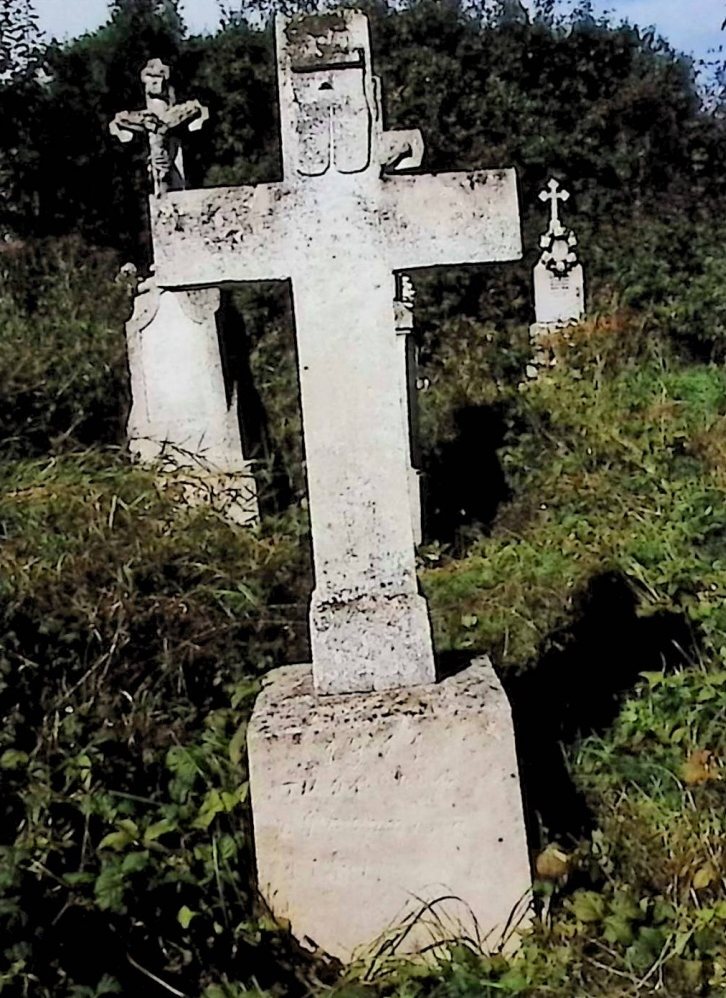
{"type": "Point", "coordinates": [559, 298]}
{"type": "Point", "coordinates": [542, 353]}
{"type": "Point", "coordinates": [375, 642]}
{"type": "Point", "coordinates": [231, 494]}
{"type": "Point", "coordinates": [369, 807]}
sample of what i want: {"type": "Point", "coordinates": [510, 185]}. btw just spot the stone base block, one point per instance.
{"type": "Point", "coordinates": [232, 494]}
{"type": "Point", "coordinates": [369, 808]}
{"type": "Point", "coordinates": [374, 642]}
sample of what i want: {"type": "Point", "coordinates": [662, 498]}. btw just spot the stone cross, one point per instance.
{"type": "Point", "coordinates": [559, 284]}
{"type": "Point", "coordinates": [181, 419]}
{"type": "Point", "coordinates": [394, 801]}
{"type": "Point", "coordinates": [339, 225]}
{"type": "Point", "coordinates": [554, 195]}
{"type": "Point", "coordinates": [161, 121]}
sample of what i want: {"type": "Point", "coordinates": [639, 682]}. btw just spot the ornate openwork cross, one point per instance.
{"type": "Point", "coordinates": [554, 195]}
{"type": "Point", "coordinates": [161, 121]}
{"type": "Point", "coordinates": [558, 242]}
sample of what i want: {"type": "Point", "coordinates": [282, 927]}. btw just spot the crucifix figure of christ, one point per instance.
{"type": "Point", "coordinates": [340, 225]}
{"type": "Point", "coordinates": [181, 416]}
{"type": "Point", "coordinates": [161, 121]}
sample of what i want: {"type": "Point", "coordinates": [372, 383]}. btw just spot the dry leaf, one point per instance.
{"type": "Point", "coordinates": [704, 877]}
{"type": "Point", "coordinates": [699, 767]}
{"type": "Point", "coordinates": [552, 863]}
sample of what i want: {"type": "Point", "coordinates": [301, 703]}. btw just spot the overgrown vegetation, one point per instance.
{"type": "Point", "coordinates": [589, 560]}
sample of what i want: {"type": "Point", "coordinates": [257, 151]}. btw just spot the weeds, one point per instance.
{"type": "Point", "coordinates": [133, 634]}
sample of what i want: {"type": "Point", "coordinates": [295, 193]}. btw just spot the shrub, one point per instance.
{"type": "Point", "coordinates": [63, 376]}
{"type": "Point", "coordinates": [132, 638]}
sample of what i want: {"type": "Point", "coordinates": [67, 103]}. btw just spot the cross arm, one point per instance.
{"type": "Point", "coordinates": [191, 113]}
{"type": "Point", "coordinates": [223, 234]}
{"type": "Point", "coordinates": [451, 218]}
{"type": "Point", "coordinates": [127, 123]}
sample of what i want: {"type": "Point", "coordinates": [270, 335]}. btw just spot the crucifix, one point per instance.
{"type": "Point", "coordinates": [343, 221]}
{"type": "Point", "coordinates": [161, 121]}
{"type": "Point", "coordinates": [181, 416]}
{"type": "Point", "coordinates": [558, 242]}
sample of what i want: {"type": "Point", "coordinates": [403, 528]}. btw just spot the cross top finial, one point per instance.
{"type": "Point", "coordinates": [155, 76]}
{"type": "Point", "coordinates": [554, 194]}
{"type": "Point", "coordinates": [558, 243]}
{"type": "Point", "coordinates": [331, 113]}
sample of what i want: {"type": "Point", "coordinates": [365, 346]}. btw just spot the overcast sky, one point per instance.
{"type": "Point", "coordinates": [692, 26]}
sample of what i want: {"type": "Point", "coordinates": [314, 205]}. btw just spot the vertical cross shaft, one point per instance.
{"type": "Point", "coordinates": [339, 226]}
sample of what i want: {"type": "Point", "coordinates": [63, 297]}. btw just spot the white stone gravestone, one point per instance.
{"type": "Point", "coordinates": [363, 804]}
{"type": "Point", "coordinates": [181, 420]}
{"type": "Point", "coordinates": [559, 283]}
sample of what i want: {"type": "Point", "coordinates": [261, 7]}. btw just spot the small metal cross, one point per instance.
{"type": "Point", "coordinates": [554, 195]}
{"type": "Point", "coordinates": [161, 121]}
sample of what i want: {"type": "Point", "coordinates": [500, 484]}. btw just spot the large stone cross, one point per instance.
{"type": "Point", "coordinates": [161, 121]}
{"type": "Point", "coordinates": [339, 226]}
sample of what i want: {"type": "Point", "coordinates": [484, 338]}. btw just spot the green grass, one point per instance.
{"type": "Point", "coordinates": [134, 632]}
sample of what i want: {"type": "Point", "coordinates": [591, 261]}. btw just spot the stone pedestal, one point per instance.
{"type": "Point", "coordinates": [180, 420]}
{"type": "Point", "coordinates": [233, 494]}
{"type": "Point", "coordinates": [559, 298]}
{"type": "Point", "coordinates": [367, 807]}
{"type": "Point", "coordinates": [559, 305]}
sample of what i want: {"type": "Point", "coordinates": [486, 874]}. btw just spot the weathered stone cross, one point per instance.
{"type": "Point", "coordinates": [161, 120]}
{"type": "Point", "coordinates": [339, 227]}
{"type": "Point", "coordinates": [554, 195]}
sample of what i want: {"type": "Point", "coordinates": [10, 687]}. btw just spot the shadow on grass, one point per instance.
{"type": "Point", "coordinates": [576, 689]}
{"type": "Point", "coordinates": [465, 484]}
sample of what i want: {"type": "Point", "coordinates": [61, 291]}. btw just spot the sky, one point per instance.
{"type": "Point", "coordinates": [692, 26]}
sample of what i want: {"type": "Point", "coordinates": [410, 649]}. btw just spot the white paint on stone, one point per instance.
{"type": "Point", "coordinates": [338, 226]}
{"type": "Point", "coordinates": [367, 806]}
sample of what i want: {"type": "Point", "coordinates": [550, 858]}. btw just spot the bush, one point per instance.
{"type": "Point", "coordinates": [63, 375]}
{"type": "Point", "coordinates": [132, 638]}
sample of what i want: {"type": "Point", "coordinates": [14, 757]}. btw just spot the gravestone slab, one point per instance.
{"type": "Point", "coordinates": [559, 298]}
{"type": "Point", "coordinates": [559, 281]}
